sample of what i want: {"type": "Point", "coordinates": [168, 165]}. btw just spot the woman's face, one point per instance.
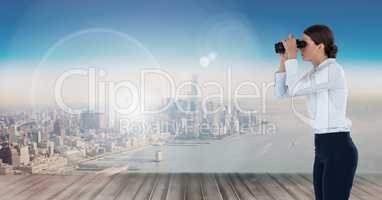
{"type": "Point", "coordinates": [311, 51]}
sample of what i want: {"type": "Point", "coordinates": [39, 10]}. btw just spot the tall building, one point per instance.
{"type": "Point", "coordinates": [188, 113]}
{"type": "Point", "coordinates": [39, 137]}
{"type": "Point", "coordinates": [58, 126]}
{"type": "Point", "coordinates": [59, 130]}
{"type": "Point", "coordinates": [50, 148]}
{"type": "Point", "coordinates": [93, 120]}
{"type": "Point", "coordinates": [12, 134]}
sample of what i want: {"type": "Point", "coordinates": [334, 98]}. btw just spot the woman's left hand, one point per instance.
{"type": "Point", "coordinates": [290, 47]}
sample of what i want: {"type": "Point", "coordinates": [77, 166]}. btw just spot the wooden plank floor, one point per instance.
{"type": "Point", "coordinates": [175, 186]}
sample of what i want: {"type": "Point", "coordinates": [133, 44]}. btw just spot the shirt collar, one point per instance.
{"type": "Point", "coordinates": [324, 63]}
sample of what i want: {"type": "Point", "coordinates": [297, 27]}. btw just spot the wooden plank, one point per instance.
{"type": "Point", "coordinates": [367, 187]}
{"type": "Point", "coordinates": [358, 194]}
{"type": "Point", "coordinates": [56, 183]}
{"type": "Point", "coordinates": [303, 184]}
{"type": "Point", "coordinates": [243, 191]}
{"type": "Point", "coordinates": [225, 187]}
{"type": "Point", "coordinates": [194, 190]}
{"type": "Point", "coordinates": [176, 188]}
{"type": "Point", "coordinates": [22, 186]}
{"type": "Point", "coordinates": [114, 188]}
{"type": "Point", "coordinates": [17, 181]}
{"type": "Point", "coordinates": [374, 178]}
{"type": "Point", "coordinates": [291, 187]}
{"type": "Point", "coordinates": [372, 181]}
{"type": "Point", "coordinates": [92, 188]}
{"type": "Point", "coordinates": [36, 189]}
{"type": "Point", "coordinates": [134, 182]}
{"type": "Point", "coordinates": [211, 188]}
{"type": "Point", "coordinates": [8, 180]}
{"type": "Point", "coordinates": [25, 192]}
{"type": "Point", "coordinates": [71, 190]}
{"type": "Point", "coordinates": [99, 187]}
{"type": "Point", "coordinates": [277, 190]}
{"type": "Point", "coordinates": [253, 184]}
{"type": "Point", "coordinates": [185, 185]}
{"type": "Point", "coordinates": [146, 190]}
{"type": "Point", "coordinates": [55, 192]}
{"type": "Point", "coordinates": [161, 190]}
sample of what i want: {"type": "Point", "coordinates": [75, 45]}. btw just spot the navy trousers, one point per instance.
{"type": "Point", "coordinates": [335, 164]}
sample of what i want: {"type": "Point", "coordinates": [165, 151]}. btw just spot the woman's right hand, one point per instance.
{"type": "Point", "coordinates": [290, 47]}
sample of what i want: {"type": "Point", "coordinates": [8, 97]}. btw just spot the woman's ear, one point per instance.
{"type": "Point", "coordinates": [321, 46]}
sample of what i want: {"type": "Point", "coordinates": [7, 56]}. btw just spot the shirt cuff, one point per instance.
{"type": "Point", "coordinates": [280, 75]}
{"type": "Point", "coordinates": [280, 78]}
{"type": "Point", "coordinates": [291, 66]}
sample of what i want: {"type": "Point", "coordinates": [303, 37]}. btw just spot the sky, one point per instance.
{"type": "Point", "coordinates": [182, 30]}
{"type": "Point", "coordinates": [50, 36]}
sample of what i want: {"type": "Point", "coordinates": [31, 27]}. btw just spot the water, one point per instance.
{"type": "Point", "coordinates": [290, 149]}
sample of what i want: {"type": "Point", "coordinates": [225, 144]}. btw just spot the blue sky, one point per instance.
{"type": "Point", "coordinates": [184, 30]}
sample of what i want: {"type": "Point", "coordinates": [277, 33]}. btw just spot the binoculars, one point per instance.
{"type": "Point", "coordinates": [279, 47]}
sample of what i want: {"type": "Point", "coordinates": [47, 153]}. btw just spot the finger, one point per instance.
{"type": "Point", "coordinates": [294, 41]}
{"type": "Point", "coordinates": [291, 40]}
{"type": "Point", "coordinates": [285, 44]}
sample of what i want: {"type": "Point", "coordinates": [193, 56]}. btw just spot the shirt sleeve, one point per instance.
{"type": "Point", "coordinates": [280, 86]}
{"type": "Point", "coordinates": [300, 85]}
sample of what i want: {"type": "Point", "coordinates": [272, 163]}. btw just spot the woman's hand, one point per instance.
{"type": "Point", "coordinates": [290, 47]}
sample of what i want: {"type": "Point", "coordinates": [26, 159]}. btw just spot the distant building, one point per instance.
{"type": "Point", "coordinates": [58, 129]}
{"type": "Point", "coordinates": [10, 155]}
{"type": "Point", "coordinates": [93, 120]}
{"type": "Point", "coordinates": [12, 134]}
{"type": "Point", "coordinates": [50, 148]}
{"type": "Point", "coordinates": [24, 155]}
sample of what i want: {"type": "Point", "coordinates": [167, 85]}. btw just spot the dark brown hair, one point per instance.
{"type": "Point", "coordinates": [322, 34]}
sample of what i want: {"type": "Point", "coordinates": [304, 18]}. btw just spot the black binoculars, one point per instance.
{"type": "Point", "coordinates": [279, 47]}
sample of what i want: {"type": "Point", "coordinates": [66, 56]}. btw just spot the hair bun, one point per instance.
{"type": "Point", "coordinates": [331, 51]}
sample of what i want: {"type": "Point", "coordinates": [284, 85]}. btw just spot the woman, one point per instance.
{"type": "Point", "coordinates": [336, 156]}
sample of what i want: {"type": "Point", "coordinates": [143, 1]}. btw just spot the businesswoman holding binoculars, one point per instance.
{"type": "Point", "coordinates": [325, 87]}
